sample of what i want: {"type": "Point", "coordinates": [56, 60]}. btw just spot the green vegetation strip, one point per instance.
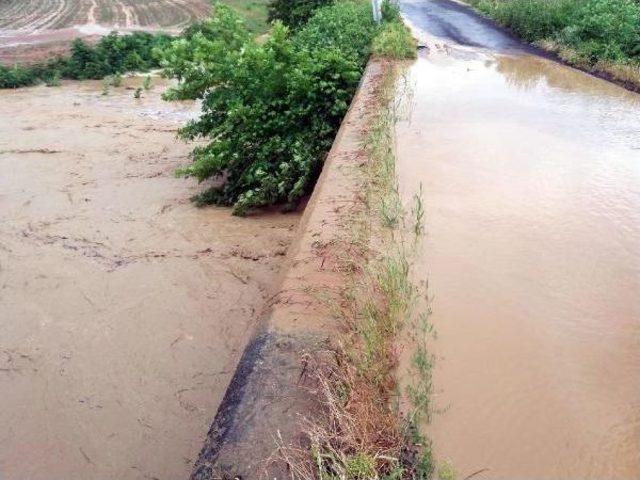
{"type": "Point", "coordinates": [596, 35]}
{"type": "Point", "coordinates": [113, 55]}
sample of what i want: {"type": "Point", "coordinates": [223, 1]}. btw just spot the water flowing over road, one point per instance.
{"type": "Point", "coordinates": [531, 181]}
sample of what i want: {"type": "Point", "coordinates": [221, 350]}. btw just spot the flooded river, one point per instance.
{"type": "Point", "coordinates": [123, 308]}
{"type": "Point", "coordinates": [531, 178]}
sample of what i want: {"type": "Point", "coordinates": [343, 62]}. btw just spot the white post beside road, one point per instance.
{"type": "Point", "coordinates": [377, 11]}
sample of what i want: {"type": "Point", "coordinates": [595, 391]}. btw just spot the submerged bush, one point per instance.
{"type": "Point", "coordinates": [17, 76]}
{"type": "Point", "coordinates": [114, 54]}
{"type": "Point", "coordinates": [269, 110]}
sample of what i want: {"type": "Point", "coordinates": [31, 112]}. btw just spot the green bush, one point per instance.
{"type": "Point", "coordinates": [52, 79]}
{"type": "Point", "coordinates": [113, 55]}
{"type": "Point", "coordinates": [269, 110]}
{"type": "Point", "coordinates": [17, 76]}
{"type": "Point", "coordinates": [596, 29]}
{"type": "Point", "coordinates": [608, 29]}
{"type": "Point", "coordinates": [294, 13]}
{"type": "Point", "coordinates": [347, 26]}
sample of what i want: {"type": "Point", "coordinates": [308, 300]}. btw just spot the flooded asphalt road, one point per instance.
{"type": "Point", "coordinates": [531, 178]}
{"type": "Point", "coordinates": [123, 308]}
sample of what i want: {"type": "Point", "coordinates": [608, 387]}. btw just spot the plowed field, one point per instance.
{"type": "Point", "coordinates": [35, 15]}
{"type": "Point", "coordinates": [34, 30]}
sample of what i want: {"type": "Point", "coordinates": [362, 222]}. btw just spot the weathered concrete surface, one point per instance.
{"type": "Point", "coordinates": [271, 392]}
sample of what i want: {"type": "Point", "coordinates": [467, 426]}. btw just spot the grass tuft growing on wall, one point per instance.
{"type": "Point", "coordinates": [394, 41]}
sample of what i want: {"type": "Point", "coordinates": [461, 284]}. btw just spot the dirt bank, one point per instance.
{"type": "Point", "coordinates": [123, 309]}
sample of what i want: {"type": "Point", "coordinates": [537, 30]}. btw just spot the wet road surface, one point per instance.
{"type": "Point", "coordinates": [531, 177]}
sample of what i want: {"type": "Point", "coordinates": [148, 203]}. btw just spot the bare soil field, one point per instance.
{"type": "Point", "coordinates": [31, 30]}
{"type": "Point", "coordinates": [123, 308]}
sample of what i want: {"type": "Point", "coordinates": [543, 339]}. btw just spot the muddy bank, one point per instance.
{"type": "Point", "coordinates": [530, 172]}
{"type": "Point", "coordinates": [123, 308]}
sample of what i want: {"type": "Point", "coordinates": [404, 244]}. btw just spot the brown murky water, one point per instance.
{"type": "Point", "coordinates": [531, 177]}
{"type": "Point", "coordinates": [123, 308]}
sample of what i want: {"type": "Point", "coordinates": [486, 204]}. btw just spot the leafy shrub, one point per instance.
{"type": "Point", "coordinates": [596, 29]}
{"type": "Point", "coordinates": [269, 110]}
{"type": "Point", "coordinates": [347, 26]}
{"type": "Point", "coordinates": [608, 29]}
{"type": "Point", "coordinates": [113, 55]}
{"type": "Point", "coordinates": [294, 13]}
{"type": "Point", "coordinates": [16, 77]}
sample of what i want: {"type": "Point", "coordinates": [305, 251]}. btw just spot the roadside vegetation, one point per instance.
{"type": "Point", "coordinates": [596, 35]}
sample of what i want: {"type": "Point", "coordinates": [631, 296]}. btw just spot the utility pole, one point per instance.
{"type": "Point", "coordinates": [377, 12]}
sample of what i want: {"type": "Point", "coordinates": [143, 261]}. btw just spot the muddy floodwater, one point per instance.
{"type": "Point", "coordinates": [531, 181]}
{"type": "Point", "coordinates": [123, 308]}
